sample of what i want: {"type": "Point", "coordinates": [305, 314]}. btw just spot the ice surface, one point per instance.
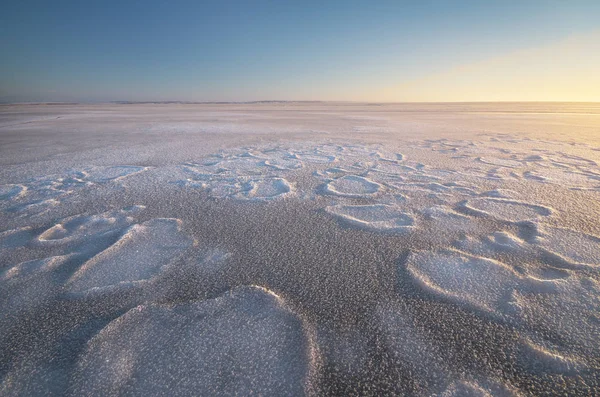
{"type": "Point", "coordinates": [440, 249]}
{"type": "Point", "coordinates": [409, 347]}
{"type": "Point", "coordinates": [414, 350]}
{"type": "Point", "coordinates": [472, 389]}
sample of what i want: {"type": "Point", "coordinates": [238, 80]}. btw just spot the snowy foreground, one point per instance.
{"type": "Point", "coordinates": [300, 248]}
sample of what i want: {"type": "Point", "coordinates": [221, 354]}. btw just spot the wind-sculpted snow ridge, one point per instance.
{"type": "Point", "coordinates": [10, 192]}
{"type": "Point", "coordinates": [537, 298]}
{"type": "Point", "coordinates": [571, 178]}
{"type": "Point", "coordinates": [39, 195]}
{"type": "Point", "coordinates": [483, 283]}
{"type": "Point", "coordinates": [29, 268]}
{"type": "Point", "coordinates": [97, 252]}
{"type": "Point", "coordinates": [377, 217]}
{"type": "Point", "coordinates": [246, 188]}
{"type": "Point", "coordinates": [368, 172]}
{"type": "Point", "coordinates": [502, 162]}
{"type": "Point", "coordinates": [245, 342]}
{"type": "Point", "coordinates": [507, 210]}
{"type": "Point", "coordinates": [317, 158]}
{"type": "Point", "coordinates": [452, 199]}
{"type": "Point", "coordinates": [106, 174]}
{"type": "Point", "coordinates": [239, 173]}
{"type": "Point", "coordinates": [574, 247]}
{"type": "Point", "coordinates": [137, 256]}
{"type": "Point", "coordinates": [27, 285]}
{"type": "Point", "coordinates": [102, 256]}
{"type": "Point", "coordinates": [87, 227]}
{"type": "Point", "coordinates": [15, 238]}
{"type": "Point", "coordinates": [434, 267]}
{"type": "Point", "coordinates": [352, 186]}
{"type": "Point", "coordinates": [249, 175]}
{"type": "Point", "coordinates": [502, 159]}
{"type": "Point", "coordinates": [283, 163]}
{"type": "Point", "coordinates": [265, 189]}
{"type": "Point", "coordinates": [443, 219]}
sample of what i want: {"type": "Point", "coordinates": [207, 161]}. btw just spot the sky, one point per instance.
{"type": "Point", "coordinates": [376, 51]}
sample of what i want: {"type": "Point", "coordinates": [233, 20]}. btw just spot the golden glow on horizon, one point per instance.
{"type": "Point", "coordinates": [568, 70]}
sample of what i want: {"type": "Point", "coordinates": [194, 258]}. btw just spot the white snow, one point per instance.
{"type": "Point", "coordinates": [142, 252]}
{"type": "Point", "coordinates": [379, 217]}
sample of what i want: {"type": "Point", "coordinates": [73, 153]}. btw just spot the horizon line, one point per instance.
{"type": "Point", "coordinates": [177, 102]}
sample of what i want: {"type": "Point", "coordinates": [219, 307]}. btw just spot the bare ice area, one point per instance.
{"type": "Point", "coordinates": [300, 249]}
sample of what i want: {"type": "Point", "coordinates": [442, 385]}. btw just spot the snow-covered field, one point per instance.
{"type": "Point", "coordinates": [300, 248]}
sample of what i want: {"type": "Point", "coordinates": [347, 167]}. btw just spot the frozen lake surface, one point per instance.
{"type": "Point", "coordinates": [300, 249]}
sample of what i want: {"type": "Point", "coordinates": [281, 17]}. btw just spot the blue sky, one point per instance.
{"type": "Point", "coordinates": [260, 50]}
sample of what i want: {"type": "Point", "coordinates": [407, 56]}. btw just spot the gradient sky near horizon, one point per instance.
{"type": "Point", "coordinates": [387, 51]}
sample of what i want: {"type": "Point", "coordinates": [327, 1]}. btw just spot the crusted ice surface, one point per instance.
{"type": "Point", "coordinates": [403, 249]}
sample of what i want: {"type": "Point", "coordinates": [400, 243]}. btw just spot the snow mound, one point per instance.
{"type": "Point", "coordinates": [265, 189]}
{"type": "Point", "coordinates": [10, 191]}
{"type": "Point", "coordinates": [378, 217]}
{"type": "Point", "coordinates": [502, 162]}
{"type": "Point", "coordinates": [473, 280]}
{"type": "Point", "coordinates": [88, 227]}
{"type": "Point", "coordinates": [315, 158]}
{"type": "Point", "coordinates": [106, 174]}
{"type": "Point", "coordinates": [352, 186]}
{"type": "Point", "coordinates": [138, 255]}
{"type": "Point", "coordinates": [243, 342]}
{"type": "Point", "coordinates": [571, 245]}
{"type": "Point", "coordinates": [507, 210]}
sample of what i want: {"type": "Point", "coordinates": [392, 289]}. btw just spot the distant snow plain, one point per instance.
{"type": "Point", "coordinates": [300, 249]}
